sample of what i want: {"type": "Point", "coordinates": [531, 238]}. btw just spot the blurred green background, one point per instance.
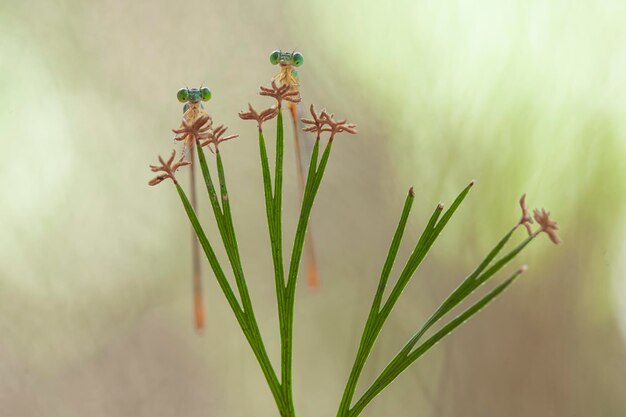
{"type": "Point", "coordinates": [524, 96]}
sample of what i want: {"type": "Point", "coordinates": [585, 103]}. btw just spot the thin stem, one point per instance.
{"type": "Point", "coordinates": [233, 253]}
{"type": "Point", "coordinates": [277, 242]}
{"type": "Point", "coordinates": [469, 284]}
{"type": "Point", "coordinates": [396, 368]}
{"type": "Point", "coordinates": [273, 204]}
{"type": "Point", "coordinates": [269, 209]}
{"type": "Point", "coordinates": [407, 355]}
{"type": "Point", "coordinates": [252, 338]}
{"type": "Point", "coordinates": [278, 181]}
{"type": "Point", "coordinates": [312, 268]}
{"type": "Point", "coordinates": [313, 182]}
{"type": "Point", "coordinates": [377, 318]}
{"type": "Point", "coordinates": [206, 174]}
{"type": "Point", "coordinates": [230, 242]}
{"type": "Point", "coordinates": [227, 231]}
{"type": "Point", "coordinates": [364, 346]}
{"type": "Point", "coordinates": [432, 231]}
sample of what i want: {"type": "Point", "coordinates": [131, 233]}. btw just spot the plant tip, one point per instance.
{"type": "Point", "coordinates": [525, 220]}
{"type": "Point", "coordinates": [522, 269]}
{"type": "Point", "coordinates": [440, 206]}
{"type": "Point", "coordinates": [472, 182]}
{"type": "Point", "coordinates": [411, 192]}
{"type": "Point", "coordinates": [548, 226]}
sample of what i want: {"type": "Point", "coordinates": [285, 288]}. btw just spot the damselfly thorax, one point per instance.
{"type": "Point", "coordinates": [287, 75]}
{"type": "Point", "coordinates": [193, 111]}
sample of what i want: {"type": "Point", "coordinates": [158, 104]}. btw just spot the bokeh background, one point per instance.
{"type": "Point", "coordinates": [524, 96]}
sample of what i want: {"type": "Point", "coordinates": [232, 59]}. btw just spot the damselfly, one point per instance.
{"type": "Point", "coordinates": [192, 112]}
{"type": "Point", "coordinates": [289, 75]}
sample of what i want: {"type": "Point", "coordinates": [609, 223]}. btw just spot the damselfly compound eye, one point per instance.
{"type": "Point", "coordinates": [297, 59]}
{"type": "Point", "coordinates": [275, 57]}
{"type": "Point", "coordinates": [182, 95]}
{"type": "Point", "coordinates": [205, 94]}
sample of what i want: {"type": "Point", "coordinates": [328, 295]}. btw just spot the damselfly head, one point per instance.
{"type": "Point", "coordinates": [286, 58]}
{"type": "Point", "coordinates": [193, 95]}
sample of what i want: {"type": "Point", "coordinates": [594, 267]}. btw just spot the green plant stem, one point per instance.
{"type": "Point", "coordinates": [252, 336]}
{"type": "Point", "coordinates": [314, 179]}
{"type": "Point", "coordinates": [394, 369]}
{"type": "Point", "coordinates": [223, 217]}
{"type": "Point", "coordinates": [269, 209]}
{"type": "Point", "coordinates": [277, 241]}
{"type": "Point", "coordinates": [278, 182]}
{"type": "Point", "coordinates": [468, 285]}
{"type": "Point", "coordinates": [243, 310]}
{"type": "Point", "coordinates": [377, 316]}
{"type": "Point", "coordinates": [364, 347]}
{"type": "Point", "coordinates": [273, 206]}
{"type": "Point", "coordinates": [406, 356]}
{"type": "Point", "coordinates": [430, 234]}
{"type": "Point", "coordinates": [230, 242]}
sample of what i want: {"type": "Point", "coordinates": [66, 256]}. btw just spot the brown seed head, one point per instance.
{"type": "Point", "coordinates": [216, 137]}
{"type": "Point", "coordinates": [191, 132]}
{"type": "Point", "coordinates": [548, 226]}
{"type": "Point", "coordinates": [168, 168]}
{"type": "Point", "coordinates": [336, 126]}
{"type": "Point", "coordinates": [325, 122]}
{"type": "Point", "coordinates": [315, 124]}
{"type": "Point", "coordinates": [280, 93]}
{"type": "Point", "coordinates": [264, 116]}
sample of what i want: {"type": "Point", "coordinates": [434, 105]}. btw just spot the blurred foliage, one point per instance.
{"type": "Point", "coordinates": [94, 271]}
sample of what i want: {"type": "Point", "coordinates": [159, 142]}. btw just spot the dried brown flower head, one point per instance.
{"type": "Point", "coordinates": [325, 122]}
{"type": "Point", "coordinates": [190, 132]}
{"type": "Point", "coordinates": [548, 226]}
{"type": "Point", "coordinates": [264, 116]}
{"type": "Point", "coordinates": [525, 220]}
{"type": "Point", "coordinates": [315, 124]}
{"type": "Point", "coordinates": [216, 137]}
{"type": "Point", "coordinates": [167, 168]}
{"type": "Point", "coordinates": [337, 126]}
{"type": "Point", "coordinates": [280, 93]}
